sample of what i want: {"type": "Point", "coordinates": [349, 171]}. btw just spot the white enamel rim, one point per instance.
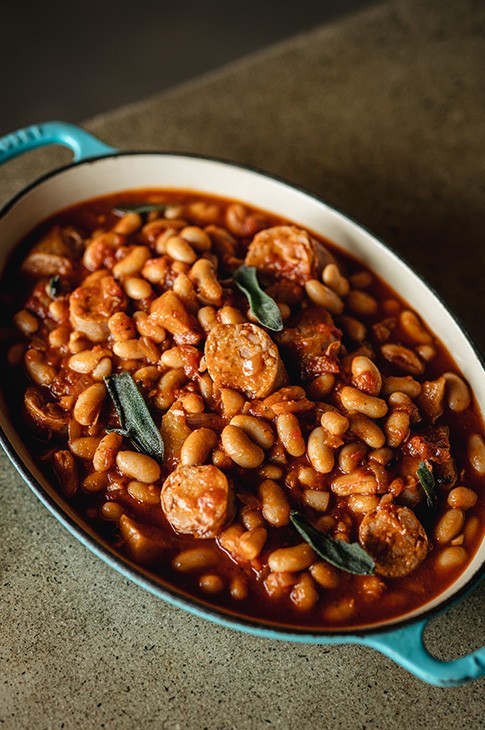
{"type": "Point", "coordinates": [92, 178]}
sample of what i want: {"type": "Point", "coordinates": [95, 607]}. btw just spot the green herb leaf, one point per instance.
{"type": "Point", "coordinates": [54, 287]}
{"type": "Point", "coordinates": [136, 421]}
{"type": "Point", "coordinates": [262, 306]}
{"type": "Point", "coordinates": [346, 556]}
{"type": "Point", "coordinates": [140, 209]}
{"type": "Point", "coordinates": [426, 478]}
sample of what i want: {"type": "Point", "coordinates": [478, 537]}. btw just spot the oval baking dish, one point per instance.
{"type": "Point", "coordinates": [100, 170]}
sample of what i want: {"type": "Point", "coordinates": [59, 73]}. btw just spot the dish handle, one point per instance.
{"type": "Point", "coordinates": [82, 144]}
{"type": "Point", "coordinates": [406, 647]}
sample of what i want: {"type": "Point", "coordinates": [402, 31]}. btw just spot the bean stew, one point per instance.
{"type": "Point", "coordinates": [243, 409]}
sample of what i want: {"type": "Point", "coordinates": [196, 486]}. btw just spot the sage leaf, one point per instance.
{"type": "Point", "coordinates": [54, 287]}
{"type": "Point", "coordinates": [426, 478]}
{"type": "Point", "coordinates": [136, 422]}
{"type": "Point", "coordinates": [262, 306]}
{"type": "Point", "coordinates": [350, 557]}
{"type": "Point", "coordinates": [140, 209]}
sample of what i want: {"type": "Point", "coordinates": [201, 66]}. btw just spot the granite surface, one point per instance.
{"type": "Point", "coordinates": [382, 115]}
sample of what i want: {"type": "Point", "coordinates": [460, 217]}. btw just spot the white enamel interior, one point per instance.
{"type": "Point", "coordinates": [109, 175]}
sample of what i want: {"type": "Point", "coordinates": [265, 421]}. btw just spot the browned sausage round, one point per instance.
{"type": "Point", "coordinates": [288, 252]}
{"type": "Point", "coordinates": [394, 537]}
{"type": "Point", "coordinates": [245, 358]}
{"type": "Point", "coordinates": [197, 500]}
{"type": "Point", "coordinates": [91, 306]}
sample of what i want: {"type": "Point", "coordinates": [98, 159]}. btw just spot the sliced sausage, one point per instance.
{"type": "Point", "coordinates": [49, 257]}
{"type": "Point", "coordinates": [311, 342]}
{"type": "Point", "coordinates": [245, 358]}
{"type": "Point", "coordinates": [288, 252]}
{"type": "Point", "coordinates": [91, 306]}
{"type": "Point", "coordinates": [197, 500]}
{"type": "Point", "coordinates": [394, 537]}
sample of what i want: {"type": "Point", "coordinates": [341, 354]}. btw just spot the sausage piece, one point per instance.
{"type": "Point", "coordinates": [245, 358]}
{"type": "Point", "coordinates": [197, 500]}
{"type": "Point", "coordinates": [91, 306]}
{"type": "Point", "coordinates": [49, 257]}
{"type": "Point", "coordinates": [394, 537]}
{"type": "Point", "coordinates": [288, 252]}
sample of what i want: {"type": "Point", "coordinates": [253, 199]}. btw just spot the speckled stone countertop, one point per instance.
{"type": "Point", "coordinates": [380, 114]}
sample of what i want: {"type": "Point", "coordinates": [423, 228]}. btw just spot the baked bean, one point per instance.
{"type": "Point", "coordinates": [457, 392]}
{"type": "Point", "coordinates": [86, 360]}
{"type": "Point", "coordinates": [111, 511]}
{"type": "Point", "coordinates": [383, 455]}
{"type": "Point", "coordinates": [310, 478]}
{"type": "Point", "coordinates": [289, 432]}
{"type": "Point", "coordinates": [77, 342]}
{"type": "Point", "coordinates": [405, 384]}
{"type": "Point", "coordinates": [275, 506]}
{"type": "Point", "coordinates": [132, 263]}
{"type": "Point", "coordinates": [271, 471]}
{"type": "Point", "coordinates": [230, 315]}
{"type": "Point", "coordinates": [178, 357]}
{"type": "Point", "coordinates": [94, 482]}
{"type": "Point", "coordinates": [450, 557]}
{"type": "Point", "coordinates": [291, 559]}
{"type": "Point", "coordinates": [334, 422]}
{"type": "Point", "coordinates": [426, 352]}
{"type": "Point", "coordinates": [361, 504]}
{"type": "Point", "coordinates": [129, 349]}
{"type": "Point", "coordinates": [84, 447]}
{"type": "Point", "coordinates": [144, 493]}
{"type": "Point", "coordinates": [39, 371]}
{"type": "Point", "coordinates": [304, 594]}
{"type": "Point", "coordinates": [332, 277]}
{"type": "Point", "coordinates": [462, 498]}
{"type": "Point", "coordinates": [192, 403]}
{"type": "Point", "coordinates": [321, 386]}
{"type": "Point", "coordinates": [232, 402]}
{"type": "Point", "coordinates": [197, 238]}
{"type": "Point", "coordinates": [242, 450]}
{"type": "Point", "coordinates": [208, 287]}
{"type": "Point", "coordinates": [193, 559]}
{"type": "Point", "coordinates": [340, 611]}
{"type": "Point", "coordinates": [121, 326]}
{"type": "Point", "coordinates": [354, 400]}
{"type": "Point", "coordinates": [397, 428]}
{"type": "Point", "coordinates": [361, 303]}
{"type": "Point", "coordinates": [207, 317]}
{"type": "Point", "coordinates": [138, 466]}
{"type": "Point", "coordinates": [238, 588]}
{"type": "Point", "coordinates": [197, 447]}
{"type": "Point", "coordinates": [137, 288]}
{"type": "Point", "coordinates": [366, 430]}
{"type": "Point", "coordinates": [321, 456]}
{"type": "Point", "coordinates": [278, 584]}
{"type": "Point", "coordinates": [403, 358]}
{"type": "Point", "coordinates": [251, 518]}
{"type": "Point", "coordinates": [88, 404]}
{"type": "Point", "coordinates": [167, 388]}
{"type": "Point", "coordinates": [361, 280]}
{"type": "Point", "coordinates": [128, 224]}
{"type": "Point", "coordinates": [476, 453]}
{"type": "Point", "coordinates": [180, 250]}
{"type": "Point", "coordinates": [359, 481]}
{"type": "Point", "coordinates": [324, 574]}
{"type": "Point", "coordinates": [103, 369]}
{"type": "Point", "coordinates": [229, 539]}
{"type": "Point", "coordinates": [59, 337]}
{"type": "Point", "coordinates": [211, 583]}
{"type": "Point", "coordinates": [206, 387]}
{"type": "Point", "coordinates": [105, 454]}
{"type": "Point", "coordinates": [351, 455]}
{"type": "Point", "coordinates": [258, 430]}
{"type": "Point", "coordinates": [26, 322]}
{"type": "Point", "coordinates": [449, 525]}
{"type": "Point", "coordinates": [317, 500]}
{"type": "Point", "coordinates": [366, 375]}
{"type": "Point", "coordinates": [471, 528]}
{"type": "Point", "coordinates": [252, 542]}
{"type": "Point", "coordinates": [324, 296]}
{"type": "Point", "coordinates": [414, 328]}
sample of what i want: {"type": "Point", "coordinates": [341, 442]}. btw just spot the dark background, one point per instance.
{"type": "Point", "coordinates": [71, 61]}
